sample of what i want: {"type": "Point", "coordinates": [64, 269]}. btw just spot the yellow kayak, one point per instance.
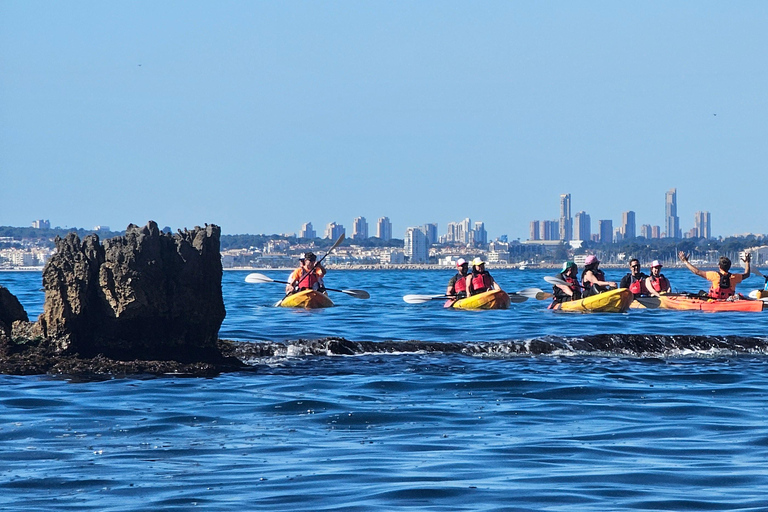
{"type": "Point", "coordinates": [612, 301]}
{"type": "Point", "coordinates": [309, 299]}
{"type": "Point", "coordinates": [492, 299]}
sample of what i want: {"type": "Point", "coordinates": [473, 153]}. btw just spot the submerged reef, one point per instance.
{"type": "Point", "coordinates": [145, 296]}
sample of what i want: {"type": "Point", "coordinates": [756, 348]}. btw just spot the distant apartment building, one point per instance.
{"type": "Point", "coordinates": [41, 224]}
{"type": "Point", "coordinates": [384, 229]}
{"type": "Point", "coordinates": [628, 225]}
{"type": "Point", "coordinates": [480, 235]}
{"type": "Point", "coordinates": [618, 236]}
{"type": "Point", "coordinates": [702, 224]}
{"type": "Point", "coordinates": [565, 225]}
{"type": "Point", "coordinates": [360, 228]}
{"type": "Point", "coordinates": [430, 230]}
{"type": "Point", "coordinates": [415, 245]}
{"type": "Point", "coordinates": [277, 246]}
{"type": "Point", "coordinates": [672, 221]}
{"type": "Point", "coordinates": [307, 231]}
{"type": "Point", "coordinates": [393, 257]}
{"type": "Point", "coordinates": [534, 235]}
{"type": "Point", "coordinates": [605, 228]}
{"type": "Point", "coordinates": [656, 232]}
{"type": "Point", "coordinates": [549, 230]}
{"type": "Point", "coordinates": [333, 231]}
{"type": "Point", "coordinates": [460, 232]}
{"type": "Point", "coordinates": [582, 227]}
{"type": "Point", "coordinates": [645, 231]}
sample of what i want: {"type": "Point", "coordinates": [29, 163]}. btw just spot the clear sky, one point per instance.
{"type": "Point", "coordinates": [259, 116]}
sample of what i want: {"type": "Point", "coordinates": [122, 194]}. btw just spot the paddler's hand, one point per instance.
{"type": "Point", "coordinates": [747, 258]}
{"type": "Point", "coordinates": [682, 257]}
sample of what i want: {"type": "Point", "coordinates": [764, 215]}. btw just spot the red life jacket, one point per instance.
{"type": "Point", "coordinates": [480, 282]}
{"type": "Point", "coordinates": [636, 286]}
{"type": "Point", "coordinates": [723, 289]}
{"type": "Point", "coordinates": [461, 283]}
{"type": "Point", "coordinates": [660, 284]}
{"type": "Point", "coordinates": [308, 281]}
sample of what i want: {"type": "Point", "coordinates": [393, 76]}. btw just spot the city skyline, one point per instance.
{"type": "Point", "coordinates": [261, 116]}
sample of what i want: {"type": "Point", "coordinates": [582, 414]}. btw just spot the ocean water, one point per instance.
{"type": "Point", "coordinates": [437, 410]}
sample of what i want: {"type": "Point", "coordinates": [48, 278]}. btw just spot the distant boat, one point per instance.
{"type": "Point", "coordinates": [523, 266]}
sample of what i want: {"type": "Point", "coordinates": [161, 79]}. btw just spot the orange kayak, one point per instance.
{"type": "Point", "coordinates": [684, 302]}
{"type": "Point", "coordinates": [308, 299]}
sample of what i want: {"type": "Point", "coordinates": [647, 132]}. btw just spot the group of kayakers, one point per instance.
{"type": "Point", "coordinates": [466, 283]}
{"type": "Point", "coordinates": [722, 283]}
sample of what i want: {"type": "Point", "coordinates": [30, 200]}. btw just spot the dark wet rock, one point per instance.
{"type": "Point", "coordinates": [11, 311]}
{"type": "Point", "coordinates": [146, 295]}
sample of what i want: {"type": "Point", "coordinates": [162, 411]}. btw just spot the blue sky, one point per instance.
{"type": "Point", "coordinates": [259, 116]}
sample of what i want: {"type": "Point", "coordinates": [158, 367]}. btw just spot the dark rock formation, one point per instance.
{"type": "Point", "coordinates": [145, 295]}
{"type": "Point", "coordinates": [11, 310]}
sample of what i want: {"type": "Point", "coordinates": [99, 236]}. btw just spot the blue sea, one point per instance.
{"type": "Point", "coordinates": [442, 410]}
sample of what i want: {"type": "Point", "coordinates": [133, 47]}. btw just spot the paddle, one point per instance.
{"type": "Point", "coordinates": [535, 293]}
{"type": "Point", "coordinates": [515, 298]}
{"type": "Point", "coordinates": [261, 278]}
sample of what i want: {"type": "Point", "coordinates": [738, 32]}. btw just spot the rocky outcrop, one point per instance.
{"type": "Point", "coordinates": [11, 311]}
{"type": "Point", "coordinates": [145, 295]}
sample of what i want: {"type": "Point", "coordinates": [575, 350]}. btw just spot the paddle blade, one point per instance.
{"type": "Point", "coordinates": [358, 294]}
{"type": "Point", "coordinates": [420, 299]}
{"type": "Point", "coordinates": [258, 278]}
{"type": "Point", "coordinates": [554, 280]}
{"type": "Point", "coordinates": [531, 293]}
{"type": "Point", "coordinates": [517, 299]}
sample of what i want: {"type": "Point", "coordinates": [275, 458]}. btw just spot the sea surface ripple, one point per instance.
{"type": "Point", "coordinates": [649, 410]}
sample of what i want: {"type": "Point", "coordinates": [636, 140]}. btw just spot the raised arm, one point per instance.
{"type": "Point", "coordinates": [684, 258]}
{"type": "Point", "coordinates": [746, 259]}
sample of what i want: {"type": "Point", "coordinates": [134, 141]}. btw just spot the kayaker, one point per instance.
{"type": "Point", "coordinates": [723, 282]}
{"type": "Point", "coordinates": [457, 286]}
{"type": "Point", "coordinates": [593, 279]}
{"type": "Point", "coordinates": [479, 280]}
{"type": "Point", "coordinates": [571, 290]}
{"type": "Point", "coordinates": [635, 279]}
{"type": "Point", "coordinates": [656, 283]}
{"type": "Point", "coordinates": [309, 275]}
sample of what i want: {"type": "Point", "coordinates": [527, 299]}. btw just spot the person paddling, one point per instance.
{"type": "Point", "coordinates": [593, 279]}
{"type": "Point", "coordinates": [635, 279]}
{"type": "Point", "coordinates": [723, 282]}
{"type": "Point", "coordinates": [571, 290]}
{"type": "Point", "coordinates": [308, 276]}
{"type": "Point", "coordinates": [479, 280]}
{"type": "Point", "coordinates": [656, 283]}
{"type": "Point", "coordinates": [457, 286]}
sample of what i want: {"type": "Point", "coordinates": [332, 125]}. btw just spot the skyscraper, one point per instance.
{"type": "Point", "coordinates": [333, 231]}
{"type": "Point", "coordinates": [702, 223]}
{"type": "Point", "coordinates": [583, 226]}
{"type": "Point", "coordinates": [430, 230]}
{"type": "Point", "coordinates": [645, 231]}
{"type": "Point", "coordinates": [606, 231]}
{"type": "Point", "coordinates": [466, 235]}
{"type": "Point", "coordinates": [415, 245]}
{"type": "Point", "coordinates": [384, 229]}
{"type": "Point", "coordinates": [360, 229]}
{"type": "Point", "coordinates": [672, 222]}
{"type": "Point", "coordinates": [535, 235]}
{"type": "Point", "coordinates": [566, 222]}
{"type": "Point", "coordinates": [307, 231]}
{"type": "Point", "coordinates": [480, 234]}
{"type": "Point", "coordinates": [628, 225]}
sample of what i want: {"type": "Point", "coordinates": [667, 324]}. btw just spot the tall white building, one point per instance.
{"type": "Point", "coordinates": [672, 221]}
{"type": "Point", "coordinates": [415, 245]}
{"type": "Point", "coordinates": [566, 222]}
{"type": "Point", "coordinates": [333, 231]}
{"type": "Point", "coordinates": [307, 231]}
{"type": "Point", "coordinates": [360, 229]}
{"type": "Point", "coordinates": [384, 229]}
{"type": "Point", "coordinates": [703, 224]}
{"type": "Point", "coordinates": [41, 224]}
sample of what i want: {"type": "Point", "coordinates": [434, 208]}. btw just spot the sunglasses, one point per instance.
{"type": "Point", "coordinates": [635, 266]}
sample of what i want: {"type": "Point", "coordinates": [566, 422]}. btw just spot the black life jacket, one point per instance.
{"type": "Point", "coordinates": [561, 296]}
{"type": "Point", "coordinates": [593, 289]}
